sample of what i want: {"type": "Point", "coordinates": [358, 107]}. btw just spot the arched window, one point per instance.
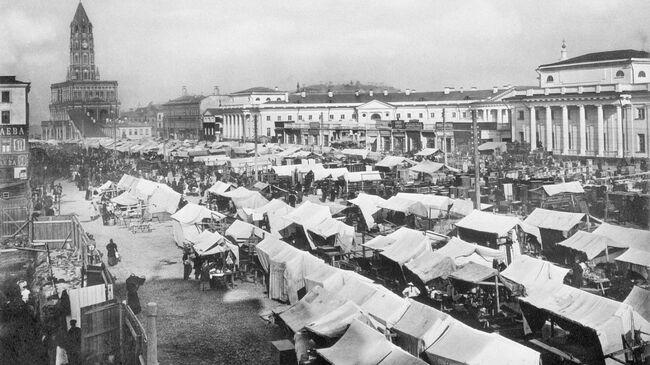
{"type": "Point", "coordinates": [268, 99]}
{"type": "Point", "coordinates": [641, 73]}
{"type": "Point", "coordinates": [85, 74]}
{"type": "Point", "coordinates": [375, 116]}
{"type": "Point", "coordinates": [257, 99]}
{"type": "Point", "coordinates": [76, 58]}
{"type": "Point", "coordinates": [85, 56]}
{"type": "Point", "coordinates": [278, 99]}
{"type": "Point", "coordinates": [549, 78]}
{"type": "Point", "coordinates": [620, 73]}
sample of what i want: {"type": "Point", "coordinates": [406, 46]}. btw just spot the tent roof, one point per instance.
{"type": "Point", "coordinates": [405, 206]}
{"type": "Point", "coordinates": [530, 272]}
{"type": "Point", "coordinates": [385, 306]}
{"type": "Point", "coordinates": [636, 257]}
{"type": "Point", "coordinates": [462, 252]}
{"type": "Point", "coordinates": [312, 306]}
{"type": "Point", "coordinates": [125, 198]}
{"type": "Point", "coordinates": [164, 199]}
{"type": "Point", "coordinates": [639, 300]}
{"type": "Point", "coordinates": [553, 219]}
{"type": "Point", "coordinates": [210, 243]}
{"type": "Point", "coordinates": [427, 152]}
{"type": "Point", "coordinates": [401, 357]}
{"type": "Point", "coordinates": [590, 243]}
{"type": "Point", "coordinates": [369, 205]}
{"type": "Point", "coordinates": [488, 223]}
{"type": "Point", "coordinates": [360, 345]}
{"type": "Point", "coordinates": [193, 213]}
{"type": "Point", "coordinates": [608, 318]}
{"type": "Point", "coordinates": [419, 319]}
{"type": "Point", "coordinates": [220, 187]}
{"type": "Point", "coordinates": [336, 322]}
{"type": "Point", "coordinates": [430, 265]}
{"type": "Point", "coordinates": [251, 201]}
{"type": "Point", "coordinates": [568, 187]}
{"type": "Point", "coordinates": [464, 207]}
{"type": "Point", "coordinates": [355, 152]}
{"type": "Point", "coordinates": [430, 167]}
{"type": "Point", "coordinates": [126, 181]}
{"type": "Point", "coordinates": [334, 173]}
{"type": "Point", "coordinates": [634, 238]}
{"type": "Point", "coordinates": [309, 214]}
{"type": "Point", "coordinates": [363, 176]}
{"type": "Point", "coordinates": [437, 205]}
{"type": "Point", "coordinates": [392, 161]}
{"type": "Point", "coordinates": [404, 250]}
{"type": "Point", "coordinates": [472, 272]}
{"type": "Point", "coordinates": [487, 146]}
{"type": "Point", "coordinates": [244, 230]}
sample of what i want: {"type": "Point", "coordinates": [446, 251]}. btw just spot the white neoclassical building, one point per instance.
{"type": "Point", "coordinates": [593, 105]}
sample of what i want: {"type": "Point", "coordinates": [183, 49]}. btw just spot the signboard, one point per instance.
{"type": "Point", "coordinates": [398, 133]}
{"type": "Point", "coordinates": [314, 125]}
{"type": "Point", "coordinates": [383, 124]}
{"type": "Point", "coordinates": [448, 127]}
{"type": "Point", "coordinates": [14, 153]}
{"type": "Point", "coordinates": [414, 126]}
{"type": "Point", "coordinates": [398, 124]}
{"type": "Point", "coordinates": [384, 133]}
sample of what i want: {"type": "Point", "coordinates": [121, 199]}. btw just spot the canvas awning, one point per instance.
{"type": "Point", "coordinates": [419, 327]}
{"type": "Point", "coordinates": [569, 187]}
{"type": "Point", "coordinates": [360, 176]}
{"type": "Point", "coordinates": [488, 146]}
{"type": "Point", "coordinates": [462, 252]}
{"type": "Point", "coordinates": [428, 152]}
{"type": "Point", "coordinates": [430, 167]}
{"type": "Point", "coordinates": [368, 205]}
{"type": "Point", "coordinates": [402, 251]}
{"type": "Point", "coordinates": [639, 300]}
{"type": "Point", "coordinates": [474, 273]}
{"type": "Point", "coordinates": [530, 272]}
{"type": "Point", "coordinates": [125, 198]}
{"type": "Point", "coordinates": [312, 306]}
{"type": "Point", "coordinates": [355, 152]}
{"type": "Point", "coordinates": [430, 265]}
{"type": "Point", "coordinates": [464, 207]}
{"type": "Point", "coordinates": [554, 220]}
{"type": "Point", "coordinates": [405, 206]}
{"type": "Point", "coordinates": [634, 238]}
{"type": "Point", "coordinates": [360, 345]}
{"type": "Point", "coordinates": [164, 199]}
{"type": "Point", "coordinates": [193, 213]}
{"type": "Point", "coordinates": [126, 181]}
{"type": "Point", "coordinates": [268, 247]}
{"type": "Point", "coordinates": [336, 322]}
{"type": "Point", "coordinates": [220, 187]}
{"type": "Point", "coordinates": [591, 244]}
{"type": "Point", "coordinates": [241, 230]}
{"type": "Point", "coordinates": [437, 205]}
{"type": "Point", "coordinates": [488, 223]}
{"type": "Point", "coordinates": [308, 214]}
{"type": "Point", "coordinates": [392, 161]}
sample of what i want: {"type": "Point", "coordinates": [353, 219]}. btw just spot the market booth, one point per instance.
{"type": "Point", "coordinates": [555, 226]}
{"type": "Point", "coordinates": [637, 258]}
{"type": "Point", "coordinates": [191, 220]}
{"type": "Point", "coordinates": [492, 230]}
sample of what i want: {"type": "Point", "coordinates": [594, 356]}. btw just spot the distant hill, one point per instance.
{"type": "Point", "coordinates": [350, 87]}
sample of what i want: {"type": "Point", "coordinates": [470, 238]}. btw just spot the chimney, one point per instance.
{"type": "Point", "coordinates": [447, 90]}
{"type": "Point", "coordinates": [461, 89]}
{"type": "Point", "coordinates": [563, 55]}
{"type": "Point", "coordinates": [303, 94]}
{"type": "Point", "coordinates": [385, 92]}
{"type": "Point", "coordinates": [407, 92]}
{"type": "Point", "coordinates": [216, 90]}
{"type": "Point", "coordinates": [370, 93]}
{"type": "Point", "coordinates": [330, 93]}
{"type": "Point", "coordinates": [276, 88]}
{"type": "Point", "coordinates": [356, 93]}
{"type": "Point", "coordinates": [495, 89]}
{"type": "Point", "coordinates": [184, 91]}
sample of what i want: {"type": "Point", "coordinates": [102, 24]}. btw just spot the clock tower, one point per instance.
{"type": "Point", "coordinates": [82, 48]}
{"type": "Point", "coordinates": [82, 105]}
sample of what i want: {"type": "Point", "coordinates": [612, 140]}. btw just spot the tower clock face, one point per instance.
{"type": "Point", "coordinates": [84, 44]}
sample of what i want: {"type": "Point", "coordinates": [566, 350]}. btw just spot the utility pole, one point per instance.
{"type": "Point", "coordinates": [444, 136]}
{"type": "Point", "coordinates": [477, 166]}
{"type": "Point", "coordinates": [255, 136]}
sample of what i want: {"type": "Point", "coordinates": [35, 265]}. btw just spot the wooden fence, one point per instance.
{"type": "Point", "coordinates": [14, 213]}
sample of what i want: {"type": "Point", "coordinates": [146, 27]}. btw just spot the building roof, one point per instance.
{"type": "Point", "coordinates": [364, 97]}
{"type": "Point", "coordinates": [86, 126]}
{"type": "Point", "coordinates": [186, 99]}
{"type": "Point", "coordinates": [80, 16]}
{"type": "Point", "coordinates": [623, 54]}
{"type": "Point", "coordinates": [257, 89]}
{"type": "Point", "coordinates": [7, 80]}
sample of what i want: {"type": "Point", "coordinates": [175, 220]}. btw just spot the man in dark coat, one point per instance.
{"type": "Point", "coordinates": [111, 250]}
{"type": "Point", "coordinates": [134, 282]}
{"type": "Point", "coordinates": [74, 344]}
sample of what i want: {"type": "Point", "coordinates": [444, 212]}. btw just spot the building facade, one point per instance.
{"type": "Point", "coordinates": [128, 129]}
{"type": "Point", "coordinates": [182, 117]}
{"type": "Point", "coordinates": [383, 121]}
{"type": "Point", "coordinates": [14, 154]}
{"type": "Point", "coordinates": [594, 105]}
{"type": "Point", "coordinates": [147, 116]}
{"type": "Point", "coordinates": [83, 91]}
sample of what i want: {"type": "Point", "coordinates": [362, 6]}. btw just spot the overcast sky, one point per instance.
{"type": "Point", "coordinates": [153, 47]}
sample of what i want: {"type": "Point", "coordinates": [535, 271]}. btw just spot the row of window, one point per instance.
{"type": "Point", "coordinates": [140, 131]}
{"type": "Point", "coordinates": [374, 116]}
{"type": "Point", "coordinates": [639, 113]}
{"type": "Point", "coordinates": [619, 74]}
{"type": "Point", "coordinates": [84, 59]}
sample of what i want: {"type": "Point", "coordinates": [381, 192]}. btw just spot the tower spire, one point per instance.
{"type": "Point", "coordinates": [563, 54]}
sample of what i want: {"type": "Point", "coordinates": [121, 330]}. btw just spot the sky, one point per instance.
{"type": "Point", "coordinates": [154, 47]}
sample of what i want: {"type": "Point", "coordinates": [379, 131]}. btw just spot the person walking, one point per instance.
{"type": "Point", "coordinates": [112, 253]}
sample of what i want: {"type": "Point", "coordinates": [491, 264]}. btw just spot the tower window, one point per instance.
{"type": "Point", "coordinates": [620, 73]}
{"type": "Point", "coordinates": [549, 78]}
{"type": "Point", "coordinates": [641, 73]}
{"type": "Point", "coordinates": [76, 58]}
{"type": "Point", "coordinates": [85, 59]}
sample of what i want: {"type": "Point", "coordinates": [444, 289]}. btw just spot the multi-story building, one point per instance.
{"type": "Point", "coordinates": [384, 121]}
{"type": "Point", "coordinates": [81, 104]}
{"type": "Point", "coordinates": [127, 129]}
{"type": "Point", "coordinates": [593, 105]}
{"type": "Point", "coordinates": [182, 117]}
{"type": "Point", "coordinates": [14, 154]}
{"type": "Point", "coordinates": [148, 116]}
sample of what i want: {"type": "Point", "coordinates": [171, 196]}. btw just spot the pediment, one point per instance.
{"type": "Point", "coordinates": [376, 104]}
